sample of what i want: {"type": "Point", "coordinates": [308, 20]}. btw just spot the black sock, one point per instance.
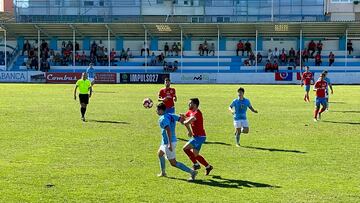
{"type": "Point", "coordinates": [82, 112]}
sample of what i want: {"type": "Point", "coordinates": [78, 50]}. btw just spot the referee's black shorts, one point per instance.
{"type": "Point", "coordinates": [84, 98]}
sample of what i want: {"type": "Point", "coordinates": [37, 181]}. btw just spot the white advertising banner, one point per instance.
{"type": "Point", "coordinates": [13, 76]}
{"type": "Point", "coordinates": [193, 78]}
{"type": "Point", "coordinates": [259, 78]}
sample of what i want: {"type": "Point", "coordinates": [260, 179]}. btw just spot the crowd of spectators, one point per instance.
{"type": "Point", "coordinates": [206, 48]}
{"type": "Point", "coordinates": [2, 57]}
{"type": "Point", "coordinates": [99, 54]}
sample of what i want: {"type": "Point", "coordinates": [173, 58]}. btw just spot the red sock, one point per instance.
{"type": "Point", "coordinates": [191, 155]}
{"type": "Point", "coordinates": [202, 160]}
{"type": "Point", "coordinates": [316, 113]}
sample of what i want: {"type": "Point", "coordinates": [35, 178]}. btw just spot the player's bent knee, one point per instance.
{"type": "Point", "coordinates": [245, 130]}
{"type": "Point", "coordinates": [160, 153]}
{"type": "Point", "coordinates": [172, 162]}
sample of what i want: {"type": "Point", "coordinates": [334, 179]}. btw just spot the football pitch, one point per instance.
{"type": "Point", "coordinates": [47, 154]}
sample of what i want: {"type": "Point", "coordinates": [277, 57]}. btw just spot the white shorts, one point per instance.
{"type": "Point", "coordinates": [169, 154]}
{"type": "Point", "coordinates": [241, 124]}
{"type": "Point", "coordinates": [92, 80]}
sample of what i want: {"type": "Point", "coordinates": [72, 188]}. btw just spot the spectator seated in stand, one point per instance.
{"type": "Point", "coordinates": [268, 66]}
{"type": "Point", "coordinates": [129, 53]}
{"type": "Point", "coordinates": [283, 58]}
{"type": "Point", "coordinates": [160, 58]}
{"type": "Point", "coordinates": [201, 50]}
{"type": "Point", "coordinates": [170, 67]}
{"type": "Point", "coordinates": [305, 55]}
{"type": "Point", "coordinates": [247, 62]}
{"type": "Point", "coordinates": [318, 59]}
{"type": "Point", "coordinates": [123, 55]}
{"type": "Point", "coordinates": [275, 66]}
{"type": "Point", "coordinates": [153, 59]}
{"type": "Point", "coordinates": [240, 47]}
{"type": "Point", "coordinates": [252, 59]}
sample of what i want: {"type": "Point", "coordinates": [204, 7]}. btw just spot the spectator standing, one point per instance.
{"type": "Point", "coordinates": [350, 46]}
{"type": "Point", "coordinates": [318, 59]}
{"type": "Point", "coordinates": [26, 47]}
{"type": "Point", "coordinates": [259, 57]}
{"type": "Point", "coordinates": [311, 47]}
{"type": "Point", "coordinates": [166, 49]}
{"type": "Point", "coordinates": [248, 47]}
{"type": "Point", "coordinates": [331, 58]}
{"type": "Point", "coordinates": [212, 49]}
{"type": "Point", "coordinates": [319, 46]}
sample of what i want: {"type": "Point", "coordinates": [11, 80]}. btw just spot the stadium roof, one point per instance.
{"type": "Point", "coordinates": [100, 30]}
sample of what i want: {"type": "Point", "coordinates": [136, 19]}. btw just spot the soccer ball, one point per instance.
{"type": "Point", "coordinates": [147, 103]}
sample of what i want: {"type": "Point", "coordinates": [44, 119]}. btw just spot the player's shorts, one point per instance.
{"type": "Point", "coordinates": [241, 123]}
{"type": "Point", "coordinates": [84, 98]}
{"type": "Point", "coordinates": [91, 79]}
{"type": "Point", "coordinates": [197, 142]}
{"type": "Point", "coordinates": [307, 88]}
{"type": "Point", "coordinates": [320, 101]}
{"type": "Point", "coordinates": [169, 154]}
{"type": "Point", "coordinates": [170, 110]}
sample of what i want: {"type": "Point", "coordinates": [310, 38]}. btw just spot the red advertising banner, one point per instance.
{"type": "Point", "coordinates": [62, 77]}
{"type": "Point", "coordinates": [105, 78]}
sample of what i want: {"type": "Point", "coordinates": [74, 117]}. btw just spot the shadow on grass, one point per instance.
{"type": "Point", "coordinates": [346, 111]}
{"type": "Point", "coordinates": [110, 122]}
{"type": "Point", "coordinates": [105, 92]}
{"type": "Point", "coordinates": [274, 150]}
{"type": "Point", "coordinates": [337, 102]}
{"type": "Point", "coordinates": [342, 122]}
{"type": "Point", "coordinates": [218, 181]}
{"type": "Point", "coordinates": [217, 143]}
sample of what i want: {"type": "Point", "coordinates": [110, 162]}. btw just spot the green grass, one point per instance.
{"type": "Point", "coordinates": [287, 158]}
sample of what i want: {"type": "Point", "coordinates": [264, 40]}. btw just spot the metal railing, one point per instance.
{"type": "Point", "coordinates": [139, 11]}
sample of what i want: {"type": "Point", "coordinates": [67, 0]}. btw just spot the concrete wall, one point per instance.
{"type": "Point", "coordinates": [8, 6]}
{"type": "Point", "coordinates": [1, 6]}
{"type": "Point", "coordinates": [342, 11]}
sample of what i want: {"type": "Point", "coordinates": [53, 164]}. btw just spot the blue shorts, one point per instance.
{"type": "Point", "coordinates": [170, 110]}
{"type": "Point", "coordinates": [197, 142]}
{"type": "Point", "coordinates": [320, 101]}
{"type": "Point", "coordinates": [307, 88]}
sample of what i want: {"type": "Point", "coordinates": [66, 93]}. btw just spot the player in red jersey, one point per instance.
{"type": "Point", "coordinates": [195, 126]}
{"type": "Point", "coordinates": [320, 88]}
{"type": "Point", "coordinates": [307, 78]}
{"type": "Point", "coordinates": [167, 95]}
